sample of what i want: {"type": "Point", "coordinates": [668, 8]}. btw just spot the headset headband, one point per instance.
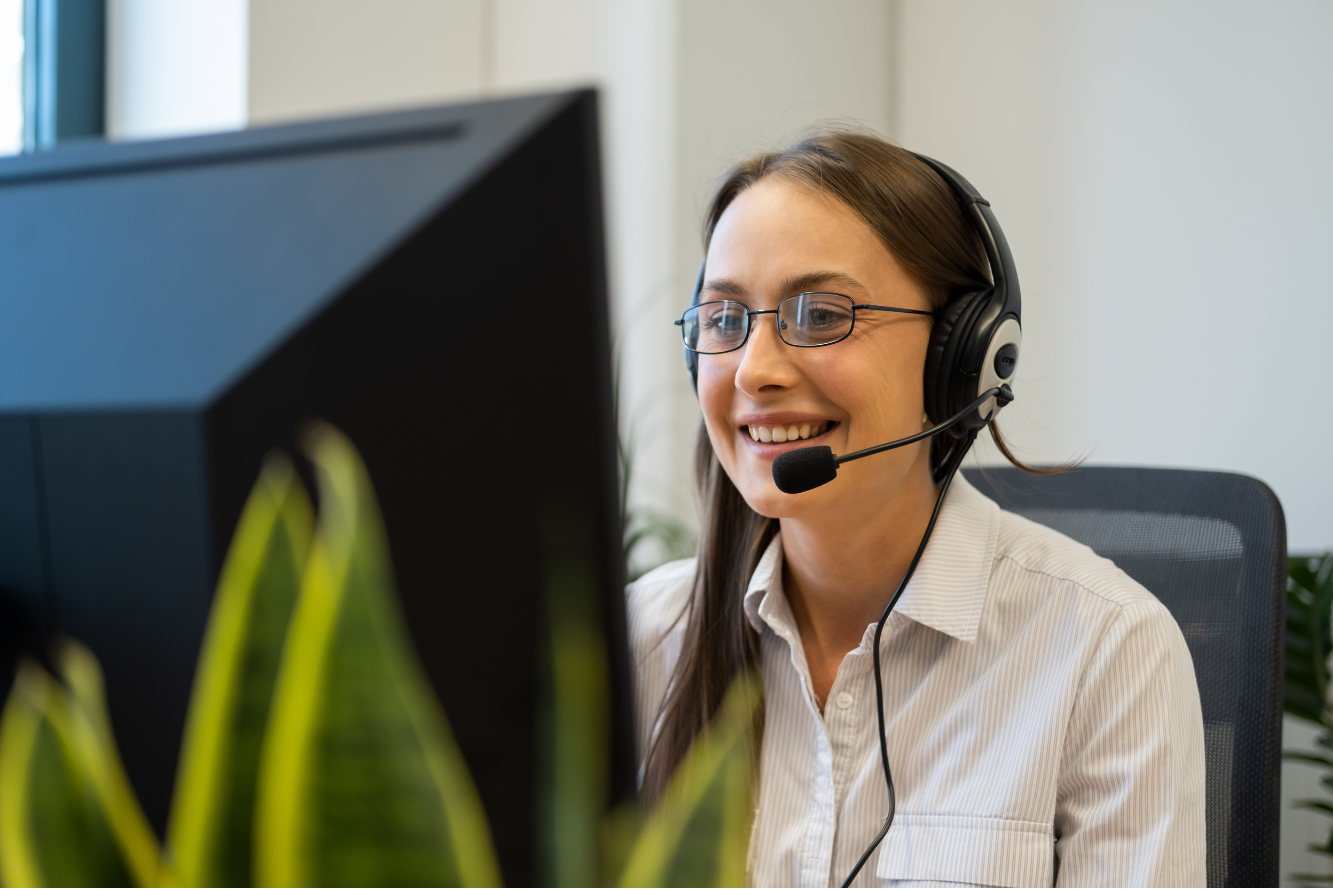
{"type": "Point", "coordinates": [1005, 277]}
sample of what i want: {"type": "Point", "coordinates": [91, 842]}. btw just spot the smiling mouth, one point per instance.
{"type": "Point", "coordinates": [790, 432]}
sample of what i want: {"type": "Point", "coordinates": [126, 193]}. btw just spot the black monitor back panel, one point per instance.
{"type": "Point", "coordinates": [431, 282]}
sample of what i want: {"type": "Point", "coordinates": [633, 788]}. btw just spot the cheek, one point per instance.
{"type": "Point", "coordinates": [880, 388]}
{"type": "Point", "coordinates": [717, 387]}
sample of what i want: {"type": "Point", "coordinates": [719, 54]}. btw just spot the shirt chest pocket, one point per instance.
{"type": "Point", "coordinates": [925, 849]}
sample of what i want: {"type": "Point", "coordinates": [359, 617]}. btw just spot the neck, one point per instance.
{"type": "Point", "coordinates": [842, 567]}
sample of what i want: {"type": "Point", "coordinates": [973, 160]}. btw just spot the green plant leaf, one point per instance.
{"type": "Point", "coordinates": [698, 836]}
{"type": "Point", "coordinates": [620, 829]}
{"type": "Point", "coordinates": [68, 816]}
{"type": "Point", "coordinates": [1307, 757]}
{"type": "Point", "coordinates": [1309, 638]}
{"type": "Point", "coordinates": [361, 782]}
{"type": "Point", "coordinates": [212, 815]}
{"type": "Point", "coordinates": [1319, 806]}
{"type": "Point", "coordinates": [576, 722]}
{"type": "Point", "coordinates": [645, 525]}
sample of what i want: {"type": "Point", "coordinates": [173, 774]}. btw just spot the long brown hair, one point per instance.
{"type": "Point", "coordinates": [920, 222]}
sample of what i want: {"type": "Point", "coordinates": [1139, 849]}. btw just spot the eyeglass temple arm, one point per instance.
{"type": "Point", "coordinates": [892, 309]}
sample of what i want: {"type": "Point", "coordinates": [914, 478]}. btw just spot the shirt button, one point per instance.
{"type": "Point", "coordinates": [844, 700]}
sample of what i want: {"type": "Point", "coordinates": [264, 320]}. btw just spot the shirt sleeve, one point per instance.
{"type": "Point", "coordinates": [656, 605]}
{"type": "Point", "coordinates": [1130, 804]}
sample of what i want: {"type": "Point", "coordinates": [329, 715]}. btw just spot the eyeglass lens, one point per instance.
{"type": "Point", "coordinates": [715, 327]}
{"type": "Point", "coordinates": [803, 320]}
{"type": "Point", "coordinates": [815, 319]}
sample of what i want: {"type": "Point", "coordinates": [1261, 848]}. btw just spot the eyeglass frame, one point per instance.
{"type": "Point", "coordinates": [749, 313]}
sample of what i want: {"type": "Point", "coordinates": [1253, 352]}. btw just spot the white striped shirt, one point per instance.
{"type": "Point", "coordinates": [1043, 720]}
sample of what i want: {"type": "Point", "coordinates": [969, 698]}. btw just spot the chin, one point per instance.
{"type": "Point", "coordinates": [765, 499]}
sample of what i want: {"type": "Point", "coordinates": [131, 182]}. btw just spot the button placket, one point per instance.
{"type": "Point", "coordinates": [842, 720]}
{"type": "Point", "coordinates": [819, 839]}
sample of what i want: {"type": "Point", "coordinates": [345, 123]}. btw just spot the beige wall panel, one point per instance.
{"type": "Point", "coordinates": [546, 44]}
{"type": "Point", "coordinates": [754, 73]}
{"type": "Point", "coordinates": [318, 58]}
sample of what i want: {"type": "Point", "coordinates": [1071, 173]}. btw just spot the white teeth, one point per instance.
{"type": "Point", "coordinates": [787, 433]}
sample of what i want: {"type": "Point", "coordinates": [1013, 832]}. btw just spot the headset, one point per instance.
{"type": "Point", "coordinates": [976, 337]}
{"type": "Point", "coordinates": [973, 352]}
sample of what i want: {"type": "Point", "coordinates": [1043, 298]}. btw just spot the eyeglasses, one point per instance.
{"type": "Point", "coordinates": [805, 320]}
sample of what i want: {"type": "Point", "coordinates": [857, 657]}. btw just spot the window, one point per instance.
{"type": "Point", "coordinates": [11, 76]}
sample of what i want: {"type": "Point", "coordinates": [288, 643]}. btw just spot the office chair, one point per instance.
{"type": "Point", "coordinates": [1212, 547]}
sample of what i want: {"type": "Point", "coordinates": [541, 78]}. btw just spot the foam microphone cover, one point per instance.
{"type": "Point", "coordinates": [804, 469]}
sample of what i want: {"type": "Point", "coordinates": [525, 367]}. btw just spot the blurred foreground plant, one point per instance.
{"type": "Point", "coordinates": [212, 815]}
{"type": "Point", "coordinates": [67, 814]}
{"type": "Point", "coordinates": [315, 752]}
{"type": "Point", "coordinates": [360, 782]}
{"type": "Point", "coordinates": [1309, 645]}
{"type": "Point", "coordinates": [699, 835]}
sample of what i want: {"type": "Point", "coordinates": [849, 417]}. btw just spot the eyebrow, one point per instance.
{"type": "Point", "coordinates": [793, 284]}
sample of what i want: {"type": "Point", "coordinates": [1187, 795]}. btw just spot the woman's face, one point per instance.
{"type": "Point", "coordinates": [774, 240]}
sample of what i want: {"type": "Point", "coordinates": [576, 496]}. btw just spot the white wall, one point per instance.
{"type": "Point", "coordinates": [1161, 171]}
{"type": "Point", "coordinates": [175, 67]}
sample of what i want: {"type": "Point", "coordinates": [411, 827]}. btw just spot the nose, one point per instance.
{"type": "Point", "coordinates": [765, 366]}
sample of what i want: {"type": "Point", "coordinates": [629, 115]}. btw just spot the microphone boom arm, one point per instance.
{"type": "Point", "coordinates": [1002, 394]}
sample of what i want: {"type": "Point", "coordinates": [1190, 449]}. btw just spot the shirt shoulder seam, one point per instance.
{"type": "Point", "coordinates": [1081, 585]}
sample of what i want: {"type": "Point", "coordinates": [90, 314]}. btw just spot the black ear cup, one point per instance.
{"type": "Point", "coordinates": [945, 381]}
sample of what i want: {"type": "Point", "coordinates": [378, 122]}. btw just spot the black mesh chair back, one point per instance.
{"type": "Point", "coordinates": [1212, 548]}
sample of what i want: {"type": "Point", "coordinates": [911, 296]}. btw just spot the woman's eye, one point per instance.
{"type": "Point", "coordinates": [724, 319]}
{"type": "Point", "coordinates": [820, 317]}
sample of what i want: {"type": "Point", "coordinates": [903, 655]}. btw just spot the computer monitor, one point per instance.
{"type": "Point", "coordinates": [431, 282]}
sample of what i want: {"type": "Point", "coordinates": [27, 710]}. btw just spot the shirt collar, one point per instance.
{"type": "Point", "coordinates": [949, 588]}
{"type": "Point", "coordinates": [767, 576]}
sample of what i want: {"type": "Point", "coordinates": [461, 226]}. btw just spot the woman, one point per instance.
{"type": "Point", "coordinates": [1043, 722]}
